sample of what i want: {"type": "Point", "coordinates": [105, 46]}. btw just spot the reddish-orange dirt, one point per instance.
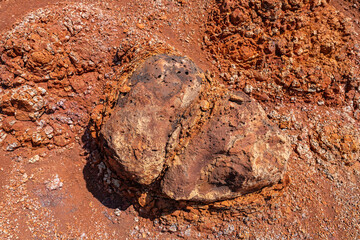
{"type": "Point", "coordinates": [63, 64]}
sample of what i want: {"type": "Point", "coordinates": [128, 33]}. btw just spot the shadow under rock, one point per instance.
{"type": "Point", "coordinates": [94, 175]}
{"type": "Point", "coordinates": [115, 192]}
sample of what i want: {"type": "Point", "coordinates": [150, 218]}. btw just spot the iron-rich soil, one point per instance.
{"type": "Point", "coordinates": [62, 66]}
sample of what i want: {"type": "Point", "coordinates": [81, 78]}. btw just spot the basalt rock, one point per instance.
{"type": "Point", "coordinates": [200, 141]}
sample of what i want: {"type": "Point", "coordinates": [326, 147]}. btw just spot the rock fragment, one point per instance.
{"type": "Point", "coordinates": [34, 159]}
{"type": "Point", "coordinates": [54, 184]}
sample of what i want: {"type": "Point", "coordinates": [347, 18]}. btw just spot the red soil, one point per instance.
{"type": "Point", "coordinates": [53, 183]}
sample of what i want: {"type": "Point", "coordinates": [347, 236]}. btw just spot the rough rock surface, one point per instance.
{"type": "Point", "coordinates": [238, 151]}
{"type": "Point", "coordinates": [151, 130]}
{"type": "Point", "coordinates": [136, 134]}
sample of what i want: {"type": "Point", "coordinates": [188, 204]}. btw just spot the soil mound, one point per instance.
{"type": "Point", "coordinates": [298, 51]}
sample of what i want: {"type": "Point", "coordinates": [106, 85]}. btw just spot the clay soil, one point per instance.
{"type": "Point", "coordinates": [63, 63]}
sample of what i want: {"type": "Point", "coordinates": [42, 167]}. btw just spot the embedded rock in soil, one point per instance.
{"type": "Point", "coordinates": [199, 140]}
{"type": "Point", "coordinates": [135, 136]}
{"type": "Point", "coordinates": [238, 151]}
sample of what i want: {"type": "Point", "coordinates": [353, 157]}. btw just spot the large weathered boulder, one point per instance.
{"type": "Point", "coordinates": [238, 151]}
{"type": "Point", "coordinates": [136, 135]}
{"type": "Point", "coordinates": [200, 141]}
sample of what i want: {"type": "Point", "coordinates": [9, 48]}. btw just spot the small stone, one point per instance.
{"type": "Point", "coordinates": [236, 98]}
{"type": "Point", "coordinates": [248, 89]}
{"type": "Point", "coordinates": [49, 131]}
{"type": "Point", "coordinates": [34, 159]}
{"type": "Point", "coordinates": [36, 138]}
{"type": "Point", "coordinates": [125, 89]}
{"type": "Point", "coordinates": [140, 26]}
{"type": "Point", "coordinates": [117, 212]}
{"type": "Point", "coordinates": [25, 178]}
{"type": "Point", "coordinates": [12, 146]}
{"type": "Point", "coordinates": [188, 232]}
{"type": "Point", "coordinates": [142, 200]}
{"type": "Point", "coordinates": [204, 105]}
{"type": "Point", "coordinates": [173, 228]}
{"type": "Point", "coordinates": [40, 58]}
{"type": "Point", "coordinates": [42, 91]}
{"type": "Point", "coordinates": [3, 135]}
{"type": "Point", "coordinates": [54, 184]}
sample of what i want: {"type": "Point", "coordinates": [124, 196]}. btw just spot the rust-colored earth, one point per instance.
{"type": "Point", "coordinates": [63, 64]}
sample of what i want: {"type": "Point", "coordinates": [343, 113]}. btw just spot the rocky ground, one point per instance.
{"type": "Point", "coordinates": [63, 66]}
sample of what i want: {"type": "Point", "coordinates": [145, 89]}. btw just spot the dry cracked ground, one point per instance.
{"type": "Point", "coordinates": [180, 119]}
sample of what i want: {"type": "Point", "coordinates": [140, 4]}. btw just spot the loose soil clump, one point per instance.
{"type": "Point", "coordinates": [298, 51]}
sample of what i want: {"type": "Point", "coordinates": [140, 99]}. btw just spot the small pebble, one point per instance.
{"type": "Point", "coordinates": [117, 212]}
{"type": "Point", "coordinates": [248, 89]}
{"type": "Point", "coordinates": [34, 159]}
